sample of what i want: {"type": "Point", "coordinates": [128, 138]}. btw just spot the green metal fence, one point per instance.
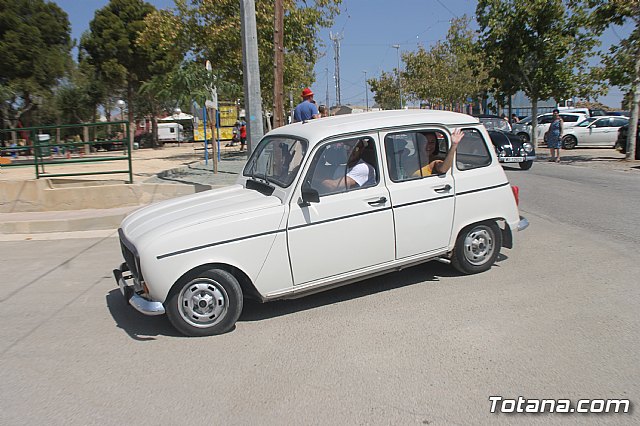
{"type": "Point", "coordinates": [42, 148]}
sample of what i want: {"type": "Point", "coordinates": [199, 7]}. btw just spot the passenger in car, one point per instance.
{"type": "Point", "coordinates": [430, 146]}
{"type": "Point", "coordinates": [359, 173]}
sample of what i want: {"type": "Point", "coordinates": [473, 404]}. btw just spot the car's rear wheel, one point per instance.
{"type": "Point", "coordinates": [205, 303]}
{"type": "Point", "coordinates": [526, 165]}
{"type": "Point", "coordinates": [477, 248]}
{"type": "Point", "coordinates": [569, 142]}
{"type": "Point", "coordinates": [525, 137]}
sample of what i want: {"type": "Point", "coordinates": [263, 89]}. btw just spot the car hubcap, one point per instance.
{"type": "Point", "coordinates": [478, 245]}
{"type": "Point", "coordinates": [203, 303]}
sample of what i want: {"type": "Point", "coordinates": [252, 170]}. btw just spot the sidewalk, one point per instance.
{"type": "Point", "coordinates": [102, 201]}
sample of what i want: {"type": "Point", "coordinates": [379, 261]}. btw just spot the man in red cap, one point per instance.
{"type": "Point", "coordinates": [307, 109]}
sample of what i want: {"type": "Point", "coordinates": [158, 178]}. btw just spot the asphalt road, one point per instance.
{"type": "Point", "coordinates": [556, 317]}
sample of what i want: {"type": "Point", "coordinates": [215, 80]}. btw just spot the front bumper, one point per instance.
{"type": "Point", "coordinates": [522, 159]}
{"type": "Point", "coordinates": [126, 283]}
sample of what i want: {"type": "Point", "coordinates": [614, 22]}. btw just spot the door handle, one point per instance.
{"type": "Point", "coordinates": [445, 188]}
{"type": "Point", "coordinates": [380, 200]}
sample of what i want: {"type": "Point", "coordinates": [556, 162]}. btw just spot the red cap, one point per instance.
{"type": "Point", "coordinates": [306, 92]}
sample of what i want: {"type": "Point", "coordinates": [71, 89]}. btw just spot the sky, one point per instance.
{"type": "Point", "coordinates": [368, 30]}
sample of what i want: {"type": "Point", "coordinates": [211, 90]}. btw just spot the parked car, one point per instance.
{"type": "Point", "coordinates": [291, 225]}
{"type": "Point", "coordinates": [621, 142]}
{"type": "Point", "coordinates": [523, 128]}
{"type": "Point", "coordinates": [494, 122]}
{"type": "Point", "coordinates": [512, 149]}
{"type": "Point", "coordinates": [594, 131]}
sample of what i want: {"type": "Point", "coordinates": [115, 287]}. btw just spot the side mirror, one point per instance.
{"type": "Point", "coordinates": [309, 195]}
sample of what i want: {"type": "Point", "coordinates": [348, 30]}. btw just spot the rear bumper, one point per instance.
{"type": "Point", "coordinates": [522, 224]}
{"type": "Point", "coordinates": [126, 284]}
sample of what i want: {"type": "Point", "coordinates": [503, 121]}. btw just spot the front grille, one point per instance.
{"type": "Point", "coordinates": [130, 257]}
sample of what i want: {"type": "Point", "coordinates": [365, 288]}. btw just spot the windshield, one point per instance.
{"type": "Point", "coordinates": [586, 122]}
{"type": "Point", "coordinates": [495, 124]}
{"type": "Point", "coordinates": [276, 160]}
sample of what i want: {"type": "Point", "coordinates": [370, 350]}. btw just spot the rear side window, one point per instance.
{"type": "Point", "coordinates": [617, 122]}
{"type": "Point", "coordinates": [410, 155]}
{"type": "Point", "coordinates": [472, 151]}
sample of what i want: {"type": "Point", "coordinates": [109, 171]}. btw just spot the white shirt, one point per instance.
{"type": "Point", "coordinates": [362, 173]}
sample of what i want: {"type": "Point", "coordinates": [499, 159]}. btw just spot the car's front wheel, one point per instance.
{"type": "Point", "coordinates": [205, 303]}
{"type": "Point", "coordinates": [526, 165]}
{"type": "Point", "coordinates": [477, 248]}
{"type": "Point", "coordinates": [569, 142]}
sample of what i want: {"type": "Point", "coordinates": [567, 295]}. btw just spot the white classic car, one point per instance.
{"type": "Point", "coordinates": [321, 204]}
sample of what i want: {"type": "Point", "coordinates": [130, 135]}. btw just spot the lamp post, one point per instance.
{"type": "Point", "coordinates": [121, 104]}
{"type": "Point", "coordinates": [366, 90]}
{"type": "Point", "coordinates": [212, 105]}
{"type": "Point", "coordinates": [397, 47]}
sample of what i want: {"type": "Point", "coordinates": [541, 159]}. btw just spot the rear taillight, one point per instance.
{"type": "Point", "coordinates": [516, 194]}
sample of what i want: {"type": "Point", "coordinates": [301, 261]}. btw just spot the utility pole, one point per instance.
{"type": "Point", "coordinates": [251, 73]}
{"type": "Point", "coordinates": [397, 47]}
{"type": "Point", "coordinates": [366, 89]}
{"type": "Point", "coordinates": [336, 50]}
{"type": "Point", "coordinates": [278, 72]}
{"type": "Point", "coordinates": [326, 102]}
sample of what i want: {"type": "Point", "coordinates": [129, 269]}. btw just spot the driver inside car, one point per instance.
{"type": "Point", "coordinates": [358, 174]}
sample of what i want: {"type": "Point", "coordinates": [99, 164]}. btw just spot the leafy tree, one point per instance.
{"type": "Point", "coordinates": [451, 71]}
{"type": "Point", "coordinates": [538, 46]}
{"type": "Point", "coordinates": [204, 29]}
{"type": "Point", "coordinates": [111, 47]}
{"type": "Point", "coordinates": [621, 64]}
{"type": "Point", "coordinates": [35, 46]}
{"type": "Point", "coordinates": [385, 90]}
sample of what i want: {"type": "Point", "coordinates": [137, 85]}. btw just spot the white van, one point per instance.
{"type": "Point", "coordinates": [170, 132]}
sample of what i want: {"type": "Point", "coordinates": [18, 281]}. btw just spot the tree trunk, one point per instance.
{"type": "Point", "coordinates": [132, 129]}
{"type": "Point", "coordinates": [278, 72]}
{"type": "Point", "coordinates": [633, 124]}
{"type": "Point", "coordinates": [534, 123]}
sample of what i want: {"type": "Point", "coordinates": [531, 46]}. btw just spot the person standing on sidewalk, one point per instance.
{"type": "Point", "coordinates": [307, 109]}
{"type": "Point", "coordinates": [554, 136]}
{"type": "Point", "coordinates": [243, 136]}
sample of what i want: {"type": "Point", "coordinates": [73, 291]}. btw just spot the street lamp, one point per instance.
{"type": "Point", "coordinates": [121, 104]}
{"type": "Point", "coordinates": [397, 47]}
{"type": "Point", "coordinates": [366, 89]}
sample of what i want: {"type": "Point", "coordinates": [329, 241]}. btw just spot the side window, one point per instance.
{"type": "Point", "coordinates": [545, 119]}
{"type": "Point", "coordinates": [568, 118]}
{"type": "Point", "coordinates": [344, 165]}
{"type": "Point", "coordinates": [618, 122]}
{"type": "Point", "coordinates": [604, 122]}
{"type": "Point", "coordinates": [472, 151]}
{"type": "Point", "coordinates": [410, 155]}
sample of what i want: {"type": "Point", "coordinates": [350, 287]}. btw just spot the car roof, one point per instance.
{"type": "Point", "coordinates": [322, 128]}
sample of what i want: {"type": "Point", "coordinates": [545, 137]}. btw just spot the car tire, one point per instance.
{"type": "Point", "coordinates": [569, 142]}
{"type": "Point", "coordinates": [477, 247]}
{"type": "Point", "coordinates": [526, 165]}
{"type": "Point", "coordinates": [205, 303]}
{"type": "Point", "coordinates": [525, 137]}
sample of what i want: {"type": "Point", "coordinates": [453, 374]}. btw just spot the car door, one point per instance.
{"type": "Point", "coordinates": [597, 132]}
{"type": "Point", "coordinates": [544, 121]}
{"type": "Point", "coordinates": [347, 228]}
{"type": "Point", "coordinates": [423, 203]}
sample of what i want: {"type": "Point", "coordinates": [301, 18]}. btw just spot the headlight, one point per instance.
{"type": "Point", "coordinates": [528, 148]}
